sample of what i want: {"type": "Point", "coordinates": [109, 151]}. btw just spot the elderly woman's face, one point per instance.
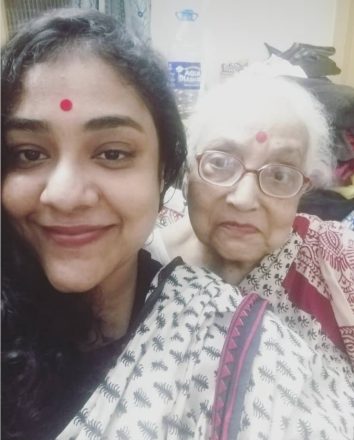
{"type": "Point", "coordinates": [240, 223]}
{"type": "Point", "coordinates": [84, 181]}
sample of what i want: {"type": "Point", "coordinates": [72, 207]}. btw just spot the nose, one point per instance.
{"type": "Point", "coordinates": [69, 188]}
{"type": "Point", "coordinates": [244, 195]}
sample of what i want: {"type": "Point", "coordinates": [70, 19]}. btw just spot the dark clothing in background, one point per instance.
{"type": "Point", "coordinates": [328, 205]}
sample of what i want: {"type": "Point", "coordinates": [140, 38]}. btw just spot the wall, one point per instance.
{"type": "Point", "coordinates": [3, 24]}
{"type": "Point", "coordinates": [344, 41]}
{"type": "Point", "coordinates": [235, 30]}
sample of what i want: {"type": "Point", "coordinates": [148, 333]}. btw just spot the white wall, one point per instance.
{"type": "Point", "coordinates": [344, 42]}
{"type": "Point", "coordinates": [234, 30]}
{"type": "Point", "coordinates": [3, 24]}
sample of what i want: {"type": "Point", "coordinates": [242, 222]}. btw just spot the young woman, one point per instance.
{"type": "Point", "coordinates": [91, 141]}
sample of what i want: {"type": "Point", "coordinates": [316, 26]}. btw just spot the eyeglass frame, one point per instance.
{"type": "Point", "coordinates": [306, 180]}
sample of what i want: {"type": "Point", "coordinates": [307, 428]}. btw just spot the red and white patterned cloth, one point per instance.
{"type": "Point", "coordinates": [310, 283]}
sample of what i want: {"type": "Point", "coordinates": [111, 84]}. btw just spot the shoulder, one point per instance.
{"type": "Point", "coordinates": [175, 239]}
{"type": "Point", "coordinates": [156, 246]}
{"type": "Point", "coordinates": [191, 283]}
{"type": "Point", "coordinates": [179, 238]}
{"type": "Point", "coordinates": [327, 234]}
{"type": "Point", "coordinates": [329, 241]}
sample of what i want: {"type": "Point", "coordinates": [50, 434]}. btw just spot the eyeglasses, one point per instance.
{"type": "Point", "coordinates": [275, 180]}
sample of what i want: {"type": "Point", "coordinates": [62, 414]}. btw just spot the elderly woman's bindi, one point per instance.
{"type": "Point", "coordinates": [261, 137]}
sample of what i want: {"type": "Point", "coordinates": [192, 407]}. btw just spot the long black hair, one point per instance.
{"type": "Point", "coordinates": [40, 326]}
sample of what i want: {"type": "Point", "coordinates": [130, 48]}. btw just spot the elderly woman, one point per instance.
{"type": "Point", "coordinates": [256, 145]}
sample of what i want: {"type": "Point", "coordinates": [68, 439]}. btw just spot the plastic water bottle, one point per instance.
{"type": "Point", "coordinates": [185, 67]}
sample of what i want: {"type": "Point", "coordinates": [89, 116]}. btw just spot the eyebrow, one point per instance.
{"type": "Point", "coordinates": [105, 122]}
{"type": "Point", "coordinates": [231, 146]}
{"type": "Point", "coordinates": [100, 123]}
{"type": "Point", "coordinates": [224, 144]}
{"type": "Point", "coordinates": [26, 124]}
{"type": "Point", "coordinates": [286, 151]}
{"type": "Point", "coordinates": [285, 154]}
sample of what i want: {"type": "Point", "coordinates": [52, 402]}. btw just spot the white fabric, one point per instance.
{"type": "Point", "coordinates": [162, 386]}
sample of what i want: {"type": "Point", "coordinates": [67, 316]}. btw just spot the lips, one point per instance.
{"type": "Point", "coordinates": [239, 228]}
{"type": "Point", "coordinates": [75, 236]}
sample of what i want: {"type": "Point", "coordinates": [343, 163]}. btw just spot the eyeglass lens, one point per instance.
{"type": "Point", "coordinates": [225, 169]}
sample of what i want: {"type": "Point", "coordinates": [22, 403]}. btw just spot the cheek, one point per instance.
{"type": "Point", "coordinates": [280, 220]}
{"type": "Point", "coordinates": [201, 204]}
{"type": "Point", "coordinates": [19, 195]}
{"type": "Point", "coordinates": [137, 199]}
{"type": "Point", "coordinates": [195, 198]}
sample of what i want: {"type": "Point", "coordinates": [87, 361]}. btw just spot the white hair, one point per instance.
{"type": "Point", "coordinates": [246, 97]}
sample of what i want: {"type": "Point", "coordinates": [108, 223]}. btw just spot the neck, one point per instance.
{"type": "Point", "coordinates": [112, 303]}
{"type": "Point", "coordinates": [231, 272]}
{"type": "Point", "coordinates": [180, 240]}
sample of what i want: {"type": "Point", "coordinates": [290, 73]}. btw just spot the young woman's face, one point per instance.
{"type": "Point", "coordinates": [84, 181]}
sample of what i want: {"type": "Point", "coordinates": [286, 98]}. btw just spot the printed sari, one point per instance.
{"type": "Point", "coordinates": [206, 362]}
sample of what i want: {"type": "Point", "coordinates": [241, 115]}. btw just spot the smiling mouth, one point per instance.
{"type": "Point", "coordinates": [75, 236]}
{"type": "Point", "coordinates": [238, 228]}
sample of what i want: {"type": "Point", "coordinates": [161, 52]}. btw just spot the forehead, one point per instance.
{"type": "Point", "coordinates": [235, 123]}
{"type": "Point", "coordinates": [91, 84]}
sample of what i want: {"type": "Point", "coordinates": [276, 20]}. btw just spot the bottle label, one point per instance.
{"type": "Point", "coordinates": [184, 75]}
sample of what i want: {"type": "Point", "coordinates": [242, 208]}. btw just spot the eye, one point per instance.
{"type": "Point", "coordinates": [219, 161]}
{"type": "Point", "coordinates": [114, 157]}
{"type": "Point", "coordinates": [280, 175]}
{"type": "Point", "coordinates": [27, 157]}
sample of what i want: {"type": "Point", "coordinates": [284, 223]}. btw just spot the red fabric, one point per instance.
{"type": "Point", "coordinates": [306, 297]}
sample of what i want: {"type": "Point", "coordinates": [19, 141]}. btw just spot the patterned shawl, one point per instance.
{"type": "Point", "coordinates": [169, 382]}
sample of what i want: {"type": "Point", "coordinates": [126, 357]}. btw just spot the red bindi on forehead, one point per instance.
{"type": "Point", "coordinates": [261, 137]}
{"type": "Point", "coordinates": [66, 105]}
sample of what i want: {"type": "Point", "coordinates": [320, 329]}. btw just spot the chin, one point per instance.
{"type": "Point", "coordinates": [71, 276]}
{"type": "Point", "coordinates": [70, 287]}
{"type": "Point", "coordinates": [240, 255]}
{"type": "Point", "coordinates": [67, 284]}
